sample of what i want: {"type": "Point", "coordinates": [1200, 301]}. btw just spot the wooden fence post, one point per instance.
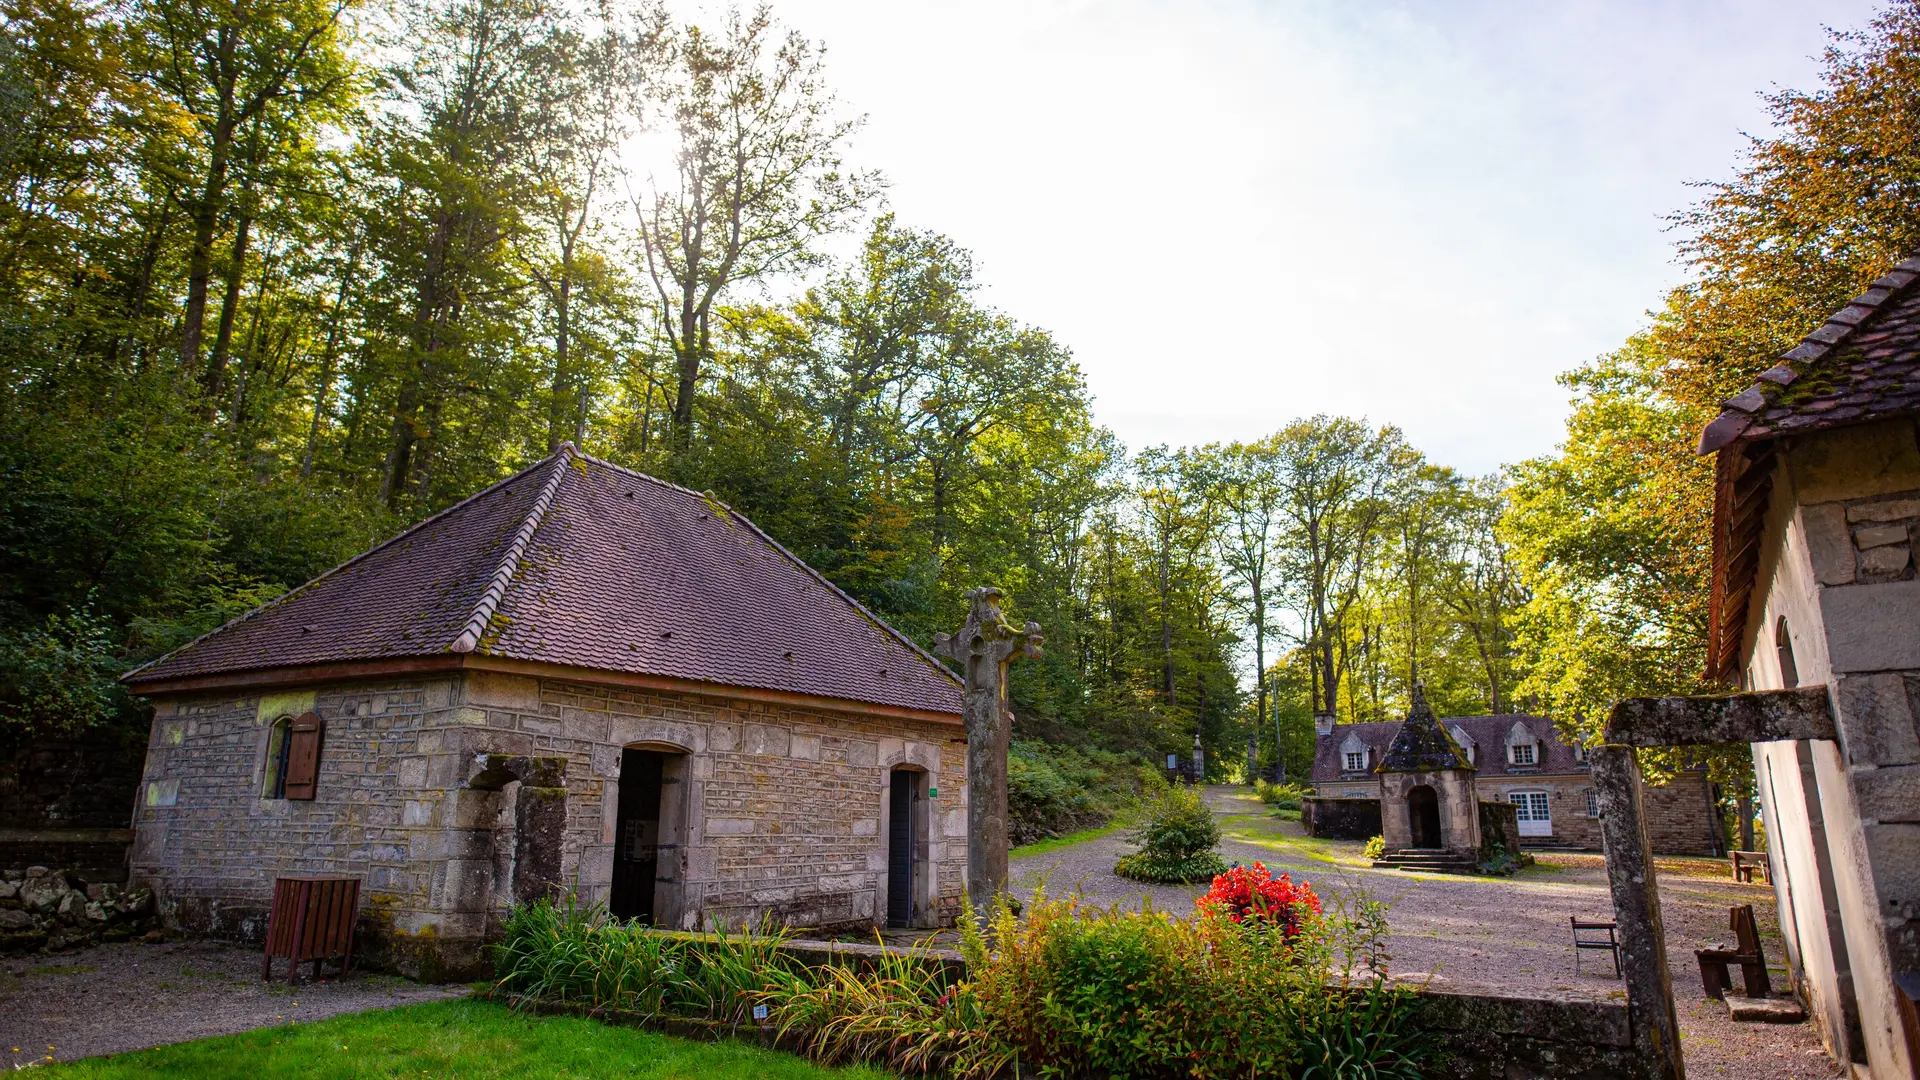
{"type": "Point", "coordinates": [1636, 909]}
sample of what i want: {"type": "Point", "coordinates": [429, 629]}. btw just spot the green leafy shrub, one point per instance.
{"type": "Point", "coordinates": [1059, 991]}
{"type": "Point", "coordinates": [1175, 843]}
{"type": "Point", "coordinates": [1282, 796]}
{"type": "Point", "coordinates": [1076, 991]}
{"type": "Point", "coordinates": [1055, 790]}
{"type": "Point", "coordinates": [1376, 848]}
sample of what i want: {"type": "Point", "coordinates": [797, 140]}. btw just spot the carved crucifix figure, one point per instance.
{"type": "Point", "coordinates": [985, 645]}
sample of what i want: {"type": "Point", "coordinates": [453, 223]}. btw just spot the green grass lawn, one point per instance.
{"type": "Point", "coordinates": [1041, 847]}
{"type": "Point", "coordinates": [453, 1039]}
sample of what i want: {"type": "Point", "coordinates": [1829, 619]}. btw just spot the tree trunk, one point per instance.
{"type": "Point", "coordinates": [215, 381]}
{"type": "Point", "coordinates": [1166, 630]}
{"type": "Point", "coordinates": [1745, 804]}
{"type": "Point", "coordinates": [206, 212]}
{"type": "Point", "coordinates": [687, 361]}
{"type": "Point", "coordinates": [324, 383]}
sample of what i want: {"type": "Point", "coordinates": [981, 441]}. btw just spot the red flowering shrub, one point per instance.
{"type": "Point", "coordinates": [1252, 893]}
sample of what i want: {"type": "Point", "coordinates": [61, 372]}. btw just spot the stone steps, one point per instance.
{"type": "Point", "coordinates": [1430, 860]}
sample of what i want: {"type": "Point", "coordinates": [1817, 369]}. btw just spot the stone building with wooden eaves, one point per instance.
{"type": "Point", "coordinates": [580, 678]}
{"type": "Point", "coordinates": [1815, 618]}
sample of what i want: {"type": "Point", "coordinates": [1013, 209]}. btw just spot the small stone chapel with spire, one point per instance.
{"type": "Point", "coordinates": [1428, 803]}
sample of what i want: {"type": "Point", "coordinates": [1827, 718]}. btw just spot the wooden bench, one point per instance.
{"type": "Point", "coordinates": [1753, 964]}
{"type": "Point", "coordinates": [1746, 862]}
{"type": "Point", "coordinates": [1587, 935]}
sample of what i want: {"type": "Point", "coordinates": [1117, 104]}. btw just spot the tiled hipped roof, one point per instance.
{"type": "Point", "coordinates": [581, 563]}
{"type": "Point", "coordinates": [1861, 365]}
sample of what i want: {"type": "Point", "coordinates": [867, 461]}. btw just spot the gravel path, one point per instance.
{"type": "Point", "coordinates": [1506, 933]}
{"type": "Point", "coordinates": [113, 998]}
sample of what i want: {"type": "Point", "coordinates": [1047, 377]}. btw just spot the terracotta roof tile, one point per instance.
{"type": "Point", "coordinates": [1856, 367]}
{"type": "Point", "coordinates": [582, 563]}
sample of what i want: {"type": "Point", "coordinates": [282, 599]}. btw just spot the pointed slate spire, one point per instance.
{"type": "Point", "coordinates": [1421, 744]}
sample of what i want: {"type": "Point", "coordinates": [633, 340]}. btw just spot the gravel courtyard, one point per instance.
{"type": "Point", "coordinates": [1506, 933]}
{"type": "Point", "coordinates": [112, 998]}
{"type": "Point", "coordinates": [1509, 934]}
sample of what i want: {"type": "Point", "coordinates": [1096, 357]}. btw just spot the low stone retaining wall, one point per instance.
{"type": "Point", "coordinates": [59, 909]}
{"type": "Point", "coordinates": [1552, 1035]}
{"type": "Point", "coordinates": [1340, 819]}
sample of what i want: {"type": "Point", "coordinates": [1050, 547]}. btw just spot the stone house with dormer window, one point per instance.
{"type": "Point", "coordinates": [1522, 760]}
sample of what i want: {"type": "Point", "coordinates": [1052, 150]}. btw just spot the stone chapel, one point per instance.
{"type": "Point", "coordinates": [580, 678]}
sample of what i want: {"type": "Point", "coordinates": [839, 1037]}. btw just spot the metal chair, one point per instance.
{"type": "Point", "coordinates": [1588, 934]}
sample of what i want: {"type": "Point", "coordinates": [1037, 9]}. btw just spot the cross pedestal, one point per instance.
{"type": "Point", "coordinates": [985, 644]}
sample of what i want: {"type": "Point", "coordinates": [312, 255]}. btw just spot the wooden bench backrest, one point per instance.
{"type": "Point", "coordinates": [1746, 934]}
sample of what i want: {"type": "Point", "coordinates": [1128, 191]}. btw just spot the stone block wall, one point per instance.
{"type": "Point", "coordinates": [1680, 821]}
{"type": "Point", "coordinates": [1340, 819]}
{"type": "Point", "coordinates": [782, 807]}
{"type": "Point", "coordinates": [210, 844]}
{"type": "Point", "coordinates": [1842, 609]}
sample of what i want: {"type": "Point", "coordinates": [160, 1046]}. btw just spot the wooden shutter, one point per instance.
{"type": "Point", "coordinates": [303, 755]}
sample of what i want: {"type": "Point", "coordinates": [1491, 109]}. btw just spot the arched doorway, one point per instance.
{"type": "Point", "coordinates": [1423, 814]}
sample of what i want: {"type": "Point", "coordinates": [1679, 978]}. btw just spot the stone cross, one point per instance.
{"type": "Point", "coordinates": [985, 645]}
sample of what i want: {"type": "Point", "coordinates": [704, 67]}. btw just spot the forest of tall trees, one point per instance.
{"type": "Point", "coordinates": [280, 277]}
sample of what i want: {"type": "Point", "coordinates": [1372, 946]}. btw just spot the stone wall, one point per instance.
{"type": "Point", "coordinates": [1545, 1035]}
{"type": "Point", "coordinates": [1340, 819]}
{"type": "Point", "coordinates": [1499, 831]}
{"type": "Point", "coordinates": [1680, 820]}
{"type": "Point", "coordinates": [782, 807]}
{"type": "Point", "coordinates": [1842, 603]}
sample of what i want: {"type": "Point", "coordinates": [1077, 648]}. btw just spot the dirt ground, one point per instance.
{"type": "Point", "coordinates": [113, 998]}
{"type": "Point", "coordinates": [1508, 933]}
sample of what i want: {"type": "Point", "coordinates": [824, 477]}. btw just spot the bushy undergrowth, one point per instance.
{"type": "Point", "coordinates": [1061, 990]}
{"type": "Point", "coordinates": [1376, 848]}
{"type": "Point", "coordinates": [1175, 842]}
{"type": "Point", "coordinates": [1056, 790]}
{"type": "Point", "coordinates": [1282, 796]}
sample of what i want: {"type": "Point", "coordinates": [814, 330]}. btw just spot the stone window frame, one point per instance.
{"type": "Point", "coordinates": [1593, 802]}
{"type": "Point", "coordinates": [1783, 652]}
{"type": "Point", "coordinates": [279, 746]}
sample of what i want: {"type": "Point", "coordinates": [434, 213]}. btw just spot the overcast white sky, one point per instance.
{"type": "Point", "coordinates": [1240, 213]}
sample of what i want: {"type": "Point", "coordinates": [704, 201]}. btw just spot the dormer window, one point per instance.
{"type": "Point", "coordinates": [1355, 755]}
{"type": "Point", "coordinates": [1523, 747]}
{"type": "Point", "coordinates": [1466, 743]}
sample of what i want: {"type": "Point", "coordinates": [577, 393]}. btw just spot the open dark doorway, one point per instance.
{"type": "Point", "coordinates": [1423, 814]}
{"type": "Point", "coordinates": [636, 853]}
{"type": "Point", "coordinates": [903, 832]}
